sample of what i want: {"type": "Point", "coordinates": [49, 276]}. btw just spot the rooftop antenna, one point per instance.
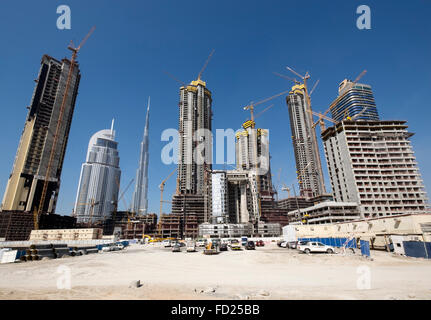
{"type": "Point", "coordinates": [112, 127]}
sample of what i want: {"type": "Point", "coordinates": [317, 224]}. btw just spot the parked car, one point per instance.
{"type": "Point", "coordinates": [283, 244]}
{"type": "Point", "coordinates": [166, 243]}
{"type": "Point", "coordinates": [176, 248]}
{"type": "Point", "coordinates": [191, 246]}
{"type": "Point", "coordinates": [250, 245]}
{"type": "Point", "coordinates": [235, 245]}
{"type": "Point", "coordinates": [107, 249]}
{"type": "Point", "coordinates": [260, 243]}
{"type": "Point", "coordinates": [201, 243]}
{"type": "Point", "coordinates": [223, 247]}
{"type": "Point", "coordinates": [244, 241]}
{"type": "Point", "coordinates": [313, 246]}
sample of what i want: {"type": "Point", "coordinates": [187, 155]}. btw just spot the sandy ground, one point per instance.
{"type": "Point", "coordinates": [265, 273]}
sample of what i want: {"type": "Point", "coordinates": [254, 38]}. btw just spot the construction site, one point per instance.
{"type": "Point", "coordinates": [233, 224]}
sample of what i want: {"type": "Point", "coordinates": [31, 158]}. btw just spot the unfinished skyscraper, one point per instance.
{"type": "Point", "coordinates": [195, 151]}
{"type": "Point", "coordinates": [100, 178]}
{"type": "Point", "coordinates": [140, 196]}
{"type": "Point", "coordinates": [305, 145]}
{"type": "Point", "coordinates": [372, 163]}
{"type": "Point", "coordinates": [25, 185]}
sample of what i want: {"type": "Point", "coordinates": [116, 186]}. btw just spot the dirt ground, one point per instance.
{"type": "Point", "coordinates": [265, 273]}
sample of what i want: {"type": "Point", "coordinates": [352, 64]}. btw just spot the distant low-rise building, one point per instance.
{"type": "Point", "coordinates": [325, 212]}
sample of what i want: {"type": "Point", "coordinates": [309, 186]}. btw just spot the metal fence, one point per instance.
{"type": "Point", "coordinates": [334, 242]}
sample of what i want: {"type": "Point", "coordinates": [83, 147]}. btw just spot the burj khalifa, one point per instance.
{"type": "Point", "coordinates": [140, 196]}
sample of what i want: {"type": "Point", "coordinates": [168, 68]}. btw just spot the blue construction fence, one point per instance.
{"type": "Point", "coordinates": [417, 249]}
{"type": "Point", "coordinates": [365, 248]}
{"type": "Point", "coordinates": [334, 242]}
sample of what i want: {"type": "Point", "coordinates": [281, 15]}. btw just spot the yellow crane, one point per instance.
{"type": "Point", "coordinates": [162, 188]}
{"type": "Point", "coordinates": [124, 202]}
{"type": "Point", "coordinates": [92, 204]}
{"type": "Point", "coordinates": [206, 64]}
{"type": "Point", "coordinates": [251, 107]}
{"type": "Point", "coordinates": [58, 127]}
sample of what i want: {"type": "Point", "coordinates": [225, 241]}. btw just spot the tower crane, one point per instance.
{"type": "Point", "coordinates": [75, 51]}
{"type": "Point", "coordinates": [286, 77]}
{"type": "Point", "coordinates": [162, 188]}
{"type": "Point", "coordinates": [251, 107]}
{"type": "Point", "coordinates": [286, 188]}
{"type": "Point", "coordinates": [206, 64]}
{"type": "Point", "coordinates": [174, 78]}
{"type": "Point", "coordinates": [124, 202]}
{"type": "Point", "coordinates": [92, 204]}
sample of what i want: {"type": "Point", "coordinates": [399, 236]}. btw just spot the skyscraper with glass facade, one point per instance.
{"type": "Point", "coordinates": [100, 178]}
{"type": "Point", "coordinates": [354, 99]}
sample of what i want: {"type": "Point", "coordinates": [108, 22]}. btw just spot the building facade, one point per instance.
{"type": "Point", "coordinates": [195, 152]}
{"type": "Point", "coordinates": [195, 141]}
{"type": "Point", "coordinates": [325, 213]}
{"type": "Point", "coordinates": [305, 145]}
{"type": "Point", "coordinates": [30, 169]}
{"type": "Point", "coordinates": [99, 182]}
{"type": "Point", "coordinates": [219, 198]}
{"type": "Point", "coordinates": [354, 99]}
{"type": "Point", "coordinates": [140, 195]}
{"type": "Point", "coordinates": [372, 163]}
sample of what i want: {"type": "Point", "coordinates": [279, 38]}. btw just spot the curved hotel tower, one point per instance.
{"type": "Point", "coordinates": [100, 178]}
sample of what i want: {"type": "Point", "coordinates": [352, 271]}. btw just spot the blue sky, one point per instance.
{"type": "Point", "coordinates": [123, 62]}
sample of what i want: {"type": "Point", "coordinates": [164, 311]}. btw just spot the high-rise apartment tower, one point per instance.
{"type": "Point", "coordinates": [372, 163]}
{"type": "Point", "coordinates": [25, 185]}
{"type": "Point", "coordinates": [195, 152]}
{"type": "Point", "coordinates": [305, 145]}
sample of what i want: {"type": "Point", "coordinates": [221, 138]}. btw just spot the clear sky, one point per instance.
{"type": "Point", "coordinates": [123, 62]}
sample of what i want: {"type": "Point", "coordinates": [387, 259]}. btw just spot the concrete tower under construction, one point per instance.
{"type": "Point", "coordinates": [305, 145]}
{"type": "Point", "coordinates": [25, 185]}
{"type": "Point", "coordinates": [140, 195]}
{"type": "Point", "coordinates": [195, 151]}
